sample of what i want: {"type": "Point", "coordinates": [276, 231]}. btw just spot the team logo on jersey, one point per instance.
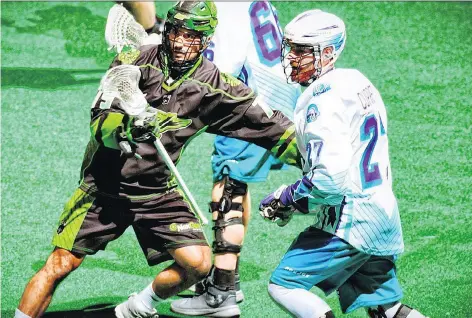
{"type": "Point", "coordinates": [165, 99]}
{"type": "Point", "coordinates": [312, 113]}
{"type": "Point", "coordinates": [185, 227]}
{"type": "Point", "coordinates": [170, 122]}
{"type": "Point", "coordinates": [320, 89]}
{"type": "Point", "coordinates": [230, 79]}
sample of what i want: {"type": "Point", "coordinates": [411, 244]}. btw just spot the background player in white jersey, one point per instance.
{"type": "Point", "coordinates": [246, 44]}
{"type": "Point", "coordinates": [341, 125]}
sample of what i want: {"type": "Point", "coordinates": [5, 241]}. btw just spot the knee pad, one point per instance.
{"type": "Point", "coordinates": [231, 189]}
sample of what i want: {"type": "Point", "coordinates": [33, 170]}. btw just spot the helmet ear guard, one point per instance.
{"type": "Point", "coordinates": [328, 55]}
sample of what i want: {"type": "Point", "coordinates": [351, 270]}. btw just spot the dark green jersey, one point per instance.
{"type": "Point", "coordinates": [202, 100]}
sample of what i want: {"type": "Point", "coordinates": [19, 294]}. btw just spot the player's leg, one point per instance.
{"type": "Point", "coordinates": [315, 258]}
{"type": "Point", "coordinates": [300, 302]}
{"type": "Point", "coordinates": [38, 292]}
{"type": "Point", "coordinates": [85, 226]}
{"type": "Point", "coordinates": [246, 220]}
{"type": "Point", "coordinates": [191, 264]}
{"type": "Point", "coordinates": [167, 229]}
{"type": "Point", "coordinates": [375, 287]}
{"type": "Point", "coordinates": [230, 237]}
{"type": "Point", "coordinates": [219, 298]}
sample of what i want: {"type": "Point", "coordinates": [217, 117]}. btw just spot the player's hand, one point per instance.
{"type": "Point", "coordinates": [277, 206]}
{"type": "Point", "coordinates": [144, 126]}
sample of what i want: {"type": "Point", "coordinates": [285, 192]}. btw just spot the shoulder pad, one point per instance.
{"type": "Point", "coordinates": [129, 57]}
{"type": "Point", "coordinates": [230, 79]}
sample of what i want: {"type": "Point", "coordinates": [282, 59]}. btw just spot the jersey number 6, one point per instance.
{"type": "Point", "coordinates": [266, 32]}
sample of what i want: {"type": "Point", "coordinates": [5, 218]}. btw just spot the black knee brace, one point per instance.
{"type": "Point", "coordinates": [231, 189]}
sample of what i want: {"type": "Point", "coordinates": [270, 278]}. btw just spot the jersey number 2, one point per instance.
{"type": "Point", "coordinates": [370, 172]}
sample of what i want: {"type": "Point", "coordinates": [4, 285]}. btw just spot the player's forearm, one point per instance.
{"type": "Point", "coordinates": [286, 148]}
{"type": "Point", "coordinates": [144, 12]}
{"type": "Point", "coordinates": [272, 131]}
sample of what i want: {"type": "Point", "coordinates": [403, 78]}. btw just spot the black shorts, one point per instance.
{"type": "Point", "coordinates": [161, 222]}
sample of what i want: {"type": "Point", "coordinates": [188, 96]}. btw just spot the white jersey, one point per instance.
{"type": "Point", "coordinates": [341, 125]}
{"type": "Point", "coordinates": [247, 44]}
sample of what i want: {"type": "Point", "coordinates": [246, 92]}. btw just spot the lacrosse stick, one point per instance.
{"type": "Point", "coordinates": [170, 164]}
{"type": "Point", "coordinates": [121, 82]}
{"type": "Point", "coordinates": [122, 30]}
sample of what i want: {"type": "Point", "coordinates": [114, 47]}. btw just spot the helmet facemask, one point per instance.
{"type": "Point", "coordinates": [321, 32]}
{"type": "Point", "coordinates": [182, 47]}
{"type": "Point", "coordinates": [301, 63]}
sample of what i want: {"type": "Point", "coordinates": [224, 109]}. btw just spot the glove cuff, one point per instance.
{"type": "Point", "coordinates": [285, 195]}
{"type": "Point", "coordinates": [287, 198]}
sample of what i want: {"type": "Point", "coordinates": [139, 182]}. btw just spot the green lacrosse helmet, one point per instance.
{"type": "Point", "coordinates": [197, 16]}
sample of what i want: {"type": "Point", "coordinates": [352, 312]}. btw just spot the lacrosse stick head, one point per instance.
{"type": "Point", "coordinates": [123, 30]}
{"type": "Point", "coordinates": [121, 82]}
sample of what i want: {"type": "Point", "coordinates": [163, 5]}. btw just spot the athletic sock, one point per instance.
{"type": "Point", "coordinates": [223, 279]}
{"type": "Point", "coordinates": [20, 314]}
{"type": "Point", "coordinates": [149, 297]}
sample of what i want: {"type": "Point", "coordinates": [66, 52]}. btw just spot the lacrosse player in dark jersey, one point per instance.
{"type": "Point", "coordinates": [184, 94]}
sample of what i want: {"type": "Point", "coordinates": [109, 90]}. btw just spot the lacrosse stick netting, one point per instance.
{"type": "Point", "coordinates": [122, 82]}
{"type": "Point", "coordinates": [122, 30]}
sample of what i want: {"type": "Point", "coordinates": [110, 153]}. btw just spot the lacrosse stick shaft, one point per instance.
{"type": "Point", "coordinates": [163, 153]}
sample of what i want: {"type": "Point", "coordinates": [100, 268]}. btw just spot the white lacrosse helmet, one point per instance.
{"type": "Point", "coordinates": [314, 29]}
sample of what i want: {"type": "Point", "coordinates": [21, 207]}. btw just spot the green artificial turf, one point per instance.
{"type": "Point", "coordinates": [419, 56]}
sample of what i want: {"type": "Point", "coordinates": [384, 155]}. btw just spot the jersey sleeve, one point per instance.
{"type": "Point", "coordinates": [233, 110]}
{"type": "Point", "coordinates": [107, 121]}
{"type": "Point", "coordinates": [329, 153]}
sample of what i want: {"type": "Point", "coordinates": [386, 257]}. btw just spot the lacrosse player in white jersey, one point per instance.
{"type": "Point", "coordinates": [341, 126]}
{"type": "Point", "coordinates": [246, 44]}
